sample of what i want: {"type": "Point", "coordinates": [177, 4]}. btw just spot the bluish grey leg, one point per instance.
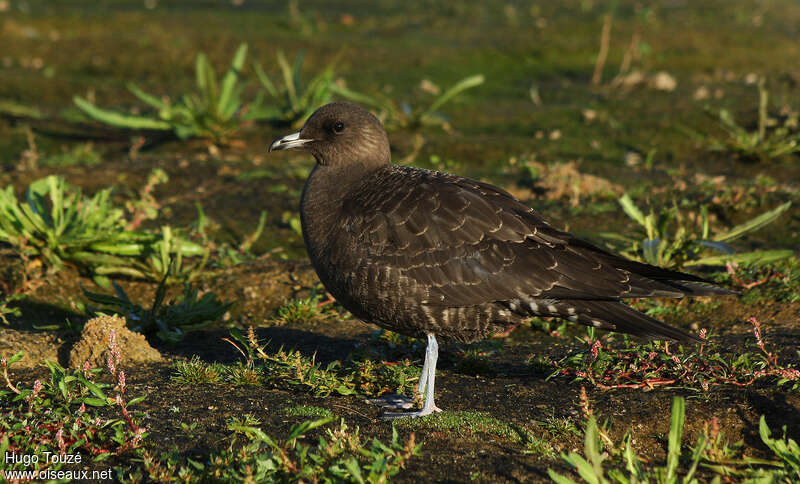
{"type": "Point", "coordinates": [426, 382]}
{"type": "Point", "coordinates": [426, 366]}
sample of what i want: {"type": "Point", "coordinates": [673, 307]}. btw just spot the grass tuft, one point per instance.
{"type": "Point", "coordinates": [291, 369]}
{"type": "Point", "coordinates": [57, 224]}
{"type": "Point", "coordinates": [774, 136]}
{"type": "Point", "coordinates": [214, 111]}
{"type": "Point", "coordinates": [169, 320]}
{"type": "Point", "coordinates": [465, 424]}
{"type": "Point", "coordinates": [308, 411]}
{"type": "Point", "coordinates": [299, 310]}
{"type": "Point", "coordinates": [196, 371]}
{"type": "Point", "coordinates": [673, 238]}
{"type": "Point", "coordinates": [711, 458]}
{"type": "Point", "coordinates": [293, 100]}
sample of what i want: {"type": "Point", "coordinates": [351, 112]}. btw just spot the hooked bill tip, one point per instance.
{"type": "Point", "coordinates": [288, 142]}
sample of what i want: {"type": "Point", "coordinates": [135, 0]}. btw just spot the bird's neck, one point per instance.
{"type": "Point", "coordinates": [321, 202]}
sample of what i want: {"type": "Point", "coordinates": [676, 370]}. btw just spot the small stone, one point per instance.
{"type": "Point", "coordinates": [426, 85]}
{"type": "Point", "coordinates": [701, 93]}
{"type": "Point", "coordinates": [663, 81]}
{"type": "Point", "coordinates": [633, 158]}
{"type": "Point", "coordinates": [633, 78]}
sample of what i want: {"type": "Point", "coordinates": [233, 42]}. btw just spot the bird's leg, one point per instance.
{"type": "Point", "coordinates": [426, 382]}
{"type": "Point", "coordinates": [423, 376]}
{"type": "Point", "coordinates": [429, 369]}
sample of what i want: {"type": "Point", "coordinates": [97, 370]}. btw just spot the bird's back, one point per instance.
{"type": "Point", "coordinates": [421, 251]}
{"type": "Point", "coordinates": [368, 259]}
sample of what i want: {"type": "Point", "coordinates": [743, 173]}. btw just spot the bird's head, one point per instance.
{"type": "Point", "coordinates": [340, 134]}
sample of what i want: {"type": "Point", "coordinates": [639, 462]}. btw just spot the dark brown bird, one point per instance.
{"type": "Point", "coordinates": [426, 253]}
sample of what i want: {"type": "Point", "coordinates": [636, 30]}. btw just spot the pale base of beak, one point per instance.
{"type": "Point", "coordinates": [288, 142]}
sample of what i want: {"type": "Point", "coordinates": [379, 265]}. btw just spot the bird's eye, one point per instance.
{"type": "Point", "coordinates": [338, 127]}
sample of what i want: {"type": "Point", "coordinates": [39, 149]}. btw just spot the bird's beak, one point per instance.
{"type": "Point", "coordinates": [288, 142]}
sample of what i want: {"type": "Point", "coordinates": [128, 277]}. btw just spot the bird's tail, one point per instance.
{"type": "Point", "coordinates": [616, 316]}
{"type": "Point", "coordinates": [695, 288]}
{"type": "Point", "coordinates": [685, 284]}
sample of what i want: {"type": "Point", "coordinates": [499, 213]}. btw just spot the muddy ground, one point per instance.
{"type": "Point", "coordinates": [592, 134]}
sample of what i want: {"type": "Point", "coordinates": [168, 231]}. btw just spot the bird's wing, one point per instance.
{"type": "Point", "coordinates": [469, 243]}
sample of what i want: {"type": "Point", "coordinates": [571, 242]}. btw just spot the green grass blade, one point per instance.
{"type": "Point", "coordinates": [704, 218]}
{"type": "Point", "coordinates": [35, 225]}
{"type": "Point", "coordinates": [697, 456]}
{"type": "Point", "coordinates": [299, 430]}
{"type": "Point", "coordinates": [355, 470]}
{"type": "Point", "coordinates": [19, 110]}
{"type": "Point", "coordinates": [462, 85]}
{"type": "Point", "coordinates": [726, 118]}
{"type": "Point", "coordinates": [265, 80]}
{"type": "Point", "coordinates": [631, 461]}
{"type": "Point", "coordinates": [288, 78]}
{"type": "Point", "coordinates": [318, 92]}
{"type": "Point", "coordinates": [154, 101]}
{"type": "Point", "coordinates": [756, 258]}
{"type": "Point", "coordinates": [228, 95]}
{"type": "Point", "coordinates": [15, 358]}
{"type": "Point", "coordinates": [228, 110]}
{"type": "Point", "coordinates": [119, 248]}
{"type": "Point", "coordinates": [256, 111]}
{"type": "Point", "coordinates": [200, 78]}
{"type": "Point", "coordinates": [655, 226]}
{"type": "Point", "coordinates": [248, 242]}
{"type": "Point", "coordinates": [93, 387]}
{"type": "Point", "coordinates": [297, 69]}
{"type": "Point", "coordinates": [206, 80]}
{"type": "Point", "coordinates": [753, 224]}
{"type": "Point", "coordinates": [99, 259]}
{"type": "Point", "coordinates": [675, 436]}
{"type": "Point", "coordinates": [120, 271]}
{"type": "Point", "coordinates": [558, 478]}
{"type": "Point", "coordinates": [36, 209]}
{"type": "Point", "coordinates": [786, 449]}
{"type": "Point", "coordinates": [593, 451]}
{"type": "Point", "coordinates": [55, 187]}
{"type": "Point", "coordinates": [118, 119]}
{"type": "Point", "coordinates": [14, 219]}
{"type": "Point", "coordinates": [355, 96]}
{"type": "Point", "coordinates": [585, 469]}
{"type": "Point", "coordinates": [632, 210]}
